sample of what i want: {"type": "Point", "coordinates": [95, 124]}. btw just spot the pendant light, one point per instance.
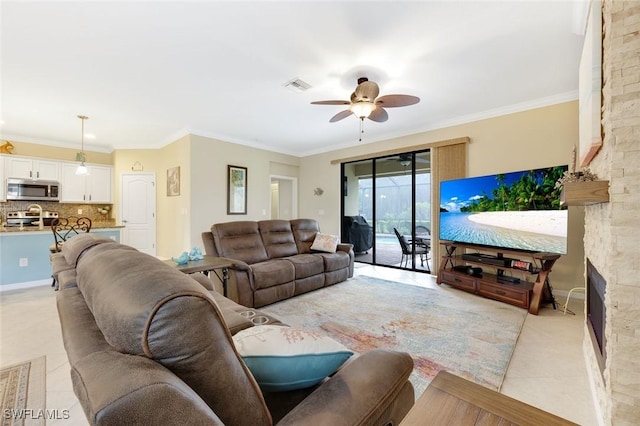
{"type": "Point", "coordinates": [82, 169]}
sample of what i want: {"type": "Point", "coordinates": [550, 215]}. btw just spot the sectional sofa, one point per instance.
{"type": "Point", "coordinates": [149, 345]}
{"type": "Point", "coordinates": [274, 260]}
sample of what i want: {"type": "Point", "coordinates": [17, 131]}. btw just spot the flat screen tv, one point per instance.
{"type": "Point", "coordinates": [518, 210]}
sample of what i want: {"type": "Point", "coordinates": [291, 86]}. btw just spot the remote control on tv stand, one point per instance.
{"type": "Point", "coordinates": [506, 278]}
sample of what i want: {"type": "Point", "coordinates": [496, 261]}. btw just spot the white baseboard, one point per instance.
{"type": "Point", "coordinates": [25, 285]}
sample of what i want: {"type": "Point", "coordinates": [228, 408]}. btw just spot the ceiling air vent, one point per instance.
{"type": "Point", "coordinates": [297, 85]}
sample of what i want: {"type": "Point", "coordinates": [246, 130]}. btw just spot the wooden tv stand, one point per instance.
{"type": "Point", "coordinates": [526, 293]}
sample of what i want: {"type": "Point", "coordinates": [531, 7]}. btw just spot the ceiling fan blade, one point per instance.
{"type": "Point", "coordinates": [339, 116]}
{"type": "Point", "coordinates": [391, 101]}
{"type": "Point", "coordinates": [331, 103]}
{"type": "Point", "coordinates": [379, 115]}
{"type": "Point", "coordinates": [366, 91]}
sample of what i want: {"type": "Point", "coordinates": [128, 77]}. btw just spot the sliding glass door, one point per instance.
{"type": "Point", "coordinates": [387, 210]}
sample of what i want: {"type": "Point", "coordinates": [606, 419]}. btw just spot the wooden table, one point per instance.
{"type": "Point", "coordinates": [206, 265]}
{"type": "Point", "coordinates": [452, 400]}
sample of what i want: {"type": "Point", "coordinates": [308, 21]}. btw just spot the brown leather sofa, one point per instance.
{"type": "Point", "coordinates": [273, 260]}
{"type": "Point", "coordinates": [149, 345]}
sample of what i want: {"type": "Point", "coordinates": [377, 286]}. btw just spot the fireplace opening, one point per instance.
{"type": "Point", "coordinates": [596, 312]}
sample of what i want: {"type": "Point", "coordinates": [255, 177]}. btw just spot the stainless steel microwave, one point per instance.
{"type": "Point", "coordinates": [33, 190]}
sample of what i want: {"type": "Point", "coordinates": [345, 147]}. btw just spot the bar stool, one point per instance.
{"type": "Point", "coordinates": [64, 228]}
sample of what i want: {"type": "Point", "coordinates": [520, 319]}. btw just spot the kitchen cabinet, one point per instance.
{"type": "Point", "coordinates": [94, 187]}
{"type": "Point", "coordinates": [31, 168]}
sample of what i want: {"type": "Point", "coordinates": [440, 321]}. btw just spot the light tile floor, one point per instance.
{"type": "Point", "coordinates": [547, 369]}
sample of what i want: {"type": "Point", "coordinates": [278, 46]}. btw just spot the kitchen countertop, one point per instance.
{"type": "Point", "coordinates": [31, 229]}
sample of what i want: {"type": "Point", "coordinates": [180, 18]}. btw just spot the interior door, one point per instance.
{"type": "Point", "coordinates": [138, 211]}
{"type": "Point", "coordinates": [283, 198]}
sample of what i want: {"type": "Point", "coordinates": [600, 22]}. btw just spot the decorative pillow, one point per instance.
{"type": "Point", "coordinates": [287, 358]}
{"type": "Point", "coordinates": [325, 242]}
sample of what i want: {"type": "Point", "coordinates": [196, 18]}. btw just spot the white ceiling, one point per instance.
{"type": "Point", "coordinates": [149, 72]}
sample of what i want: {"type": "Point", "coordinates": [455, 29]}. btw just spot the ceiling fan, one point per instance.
{"type": "Point", "coordinates": [405, 159]}
{"type": "Point", "coordinates": [365, 103]}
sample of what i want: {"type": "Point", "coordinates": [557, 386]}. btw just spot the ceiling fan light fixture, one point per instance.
{"type": "Point", "coordinates": [362, 109]}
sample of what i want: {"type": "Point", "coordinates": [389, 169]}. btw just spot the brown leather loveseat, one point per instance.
{"type": "Point", "coordinates": [149, 345]}
{"type": "Point", "coordinates": [273, 259]}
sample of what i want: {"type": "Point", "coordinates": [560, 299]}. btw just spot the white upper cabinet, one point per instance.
{"type": "Point", "coordinates": [99, 184]}
{"type": "Point", "coordinates": [31, 168]}
{"type": "Point", "coordinates": [94, 187]}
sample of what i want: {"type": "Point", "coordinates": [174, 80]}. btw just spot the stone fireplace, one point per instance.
{"type": "Point", "coordinates": [612, 230]}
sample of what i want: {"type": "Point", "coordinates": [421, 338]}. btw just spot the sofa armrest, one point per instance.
{"type": "Point", "coordinates": [203, 280]}
{"type": "Point", "coordinates": [371, 389]}
{"type": "Point", "coordinates": [347, 247]}
{"type": "Point", "coordinates": [238, 264]}
{"type": "Point", "coordinates": [146, 393]}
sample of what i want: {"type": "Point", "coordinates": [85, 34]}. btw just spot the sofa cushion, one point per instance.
{"type": "Point", "coordinates": [307, 265]}
{"type": "Point", "coordinates": [289, 358]}
{"type": "Point", "coordinates": [272, 272]}
{"type": "Point", "coordinates": [325, 243]}
{"type": "Point", "coordinates": [137, 300]}
{"type": "Point", "coordinates": [277, 238]}
{"type": "Point", "coordinates": [239, 240]}
{"type": "Point", "coordinates": [335, 261]}
{"type": "Point", "coordinates": [304, 232]}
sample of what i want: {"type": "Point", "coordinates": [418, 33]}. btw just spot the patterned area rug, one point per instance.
{"type": "Point", "coordinates": [22, 393]}
{"type": "Point", "coordinates": [442, 329]}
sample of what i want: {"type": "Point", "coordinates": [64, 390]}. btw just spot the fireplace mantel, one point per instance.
{"type": "Point", "coordinates": [584, 193]}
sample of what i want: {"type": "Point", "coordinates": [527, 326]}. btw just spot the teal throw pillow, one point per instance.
{"type": "Point", "coordinates": [287, 358]}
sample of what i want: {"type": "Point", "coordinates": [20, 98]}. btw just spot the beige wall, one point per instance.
{"type": "Point", "coordinates": [531, 139]}
{"type": "Point", "coordinates": [208, 170]}
{"type": "Point", "coordinates": [203, 175]}
{"type": "Point", "coordinates": [172, 220]}
{"type": "Point", "coordinates": [58, 153]}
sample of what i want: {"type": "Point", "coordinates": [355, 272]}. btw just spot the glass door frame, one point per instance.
{"type": "Point", "coordinates": [374, 206]}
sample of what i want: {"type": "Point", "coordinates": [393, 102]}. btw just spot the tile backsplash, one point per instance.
{"type": "Point", "coordinates": [92, 211]}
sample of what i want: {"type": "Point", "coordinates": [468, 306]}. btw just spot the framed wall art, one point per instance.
{"type": "Point", "coordinates": [236, 190]}
{"type": "Point", "coordinates": [173, 181]}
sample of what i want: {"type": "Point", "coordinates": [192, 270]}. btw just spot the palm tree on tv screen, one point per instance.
{"type": "Point", "coordinates": [534, 190]}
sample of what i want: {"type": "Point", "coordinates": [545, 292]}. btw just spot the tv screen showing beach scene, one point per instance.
{"type": "Point", "coordinates": [517, 210]}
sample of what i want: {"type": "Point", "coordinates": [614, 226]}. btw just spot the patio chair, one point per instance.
{"type": "Point", "coordinates": [410, 250]}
